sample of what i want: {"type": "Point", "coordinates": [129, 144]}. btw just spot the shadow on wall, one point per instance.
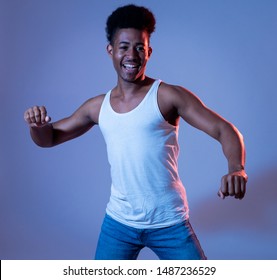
{"type": "Point", "coordinates": [250, 222]}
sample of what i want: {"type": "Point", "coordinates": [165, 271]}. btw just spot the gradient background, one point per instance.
{"type": "Point", "coordinates": [52, 53]}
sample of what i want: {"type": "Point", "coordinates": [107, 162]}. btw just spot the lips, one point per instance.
{"type": "Point", "coordinates": [130, 66]}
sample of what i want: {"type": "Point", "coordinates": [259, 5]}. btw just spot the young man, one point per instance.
{"type": "Point", "coordinates": [139, 119]}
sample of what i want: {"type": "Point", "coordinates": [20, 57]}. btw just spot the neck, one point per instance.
{"type": "Point", "coordinates": [131, 88]}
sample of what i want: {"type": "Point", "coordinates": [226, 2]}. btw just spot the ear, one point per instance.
{"type": "Point", "coordinates": [150, 50]}
{"type": "Point", "coordinates": [110, 49]}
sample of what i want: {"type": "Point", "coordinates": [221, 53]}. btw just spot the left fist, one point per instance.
{"type": "Point", "coordinates": [233, 184]}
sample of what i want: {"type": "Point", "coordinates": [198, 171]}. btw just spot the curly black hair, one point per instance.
{"type": "Point", "coordinates": [130, 16]}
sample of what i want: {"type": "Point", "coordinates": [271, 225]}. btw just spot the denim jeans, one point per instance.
{"type": "Point", "coordinates": [120, 242]}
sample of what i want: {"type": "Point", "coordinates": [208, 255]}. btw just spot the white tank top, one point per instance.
{"type": "Point", "coordinates": [143, 150]}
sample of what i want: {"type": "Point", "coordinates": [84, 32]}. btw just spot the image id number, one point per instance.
{"type": "Point", "coordinates": [177, 270]}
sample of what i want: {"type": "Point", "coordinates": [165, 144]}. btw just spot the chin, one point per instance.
{"type": "Point", "coordinates": [133, 78]}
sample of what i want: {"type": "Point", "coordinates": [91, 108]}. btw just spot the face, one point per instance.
{"type": "Point", "coordinates": [130, 52]}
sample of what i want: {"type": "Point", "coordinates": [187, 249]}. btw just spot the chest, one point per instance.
{"type": "Point", "coordinates": [125, 104]}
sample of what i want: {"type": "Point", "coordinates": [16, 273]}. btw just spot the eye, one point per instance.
{"type": "Point", "coordinates": [140, 49]}
{"type": "Point", "coordinates": [124, 48]}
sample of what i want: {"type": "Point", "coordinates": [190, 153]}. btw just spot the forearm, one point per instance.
{"type": "Point", "coordinates": [43, 136]}
{"type": "Point", "coordinates": [233, 147]}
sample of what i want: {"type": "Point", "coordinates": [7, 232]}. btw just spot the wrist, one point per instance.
{"type": "Point", "coordinates": [235, 168]}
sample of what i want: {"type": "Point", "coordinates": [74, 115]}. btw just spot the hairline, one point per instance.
{"type": "Point", "coordinates": [111, 42]}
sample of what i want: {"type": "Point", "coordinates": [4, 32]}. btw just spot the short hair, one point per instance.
{"type": "Point", "coordinates": [130, 16]}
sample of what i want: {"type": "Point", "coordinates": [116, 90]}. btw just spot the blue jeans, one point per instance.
{"type": "Point", "coordinates": [120, 242]}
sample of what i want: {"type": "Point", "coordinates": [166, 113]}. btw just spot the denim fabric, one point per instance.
{"type": "Point", "coordinates": [120, 242]}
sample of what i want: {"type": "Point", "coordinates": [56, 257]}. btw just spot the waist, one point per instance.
{"type": "Point", "coordinates": [149, 210]}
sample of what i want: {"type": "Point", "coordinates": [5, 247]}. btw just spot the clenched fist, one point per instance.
{"type": "Point", "coordinates": [233, 184]}
{"type": "Point", "coordinates": [36, 116]}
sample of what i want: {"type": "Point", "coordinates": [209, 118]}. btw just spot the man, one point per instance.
{"type": "Point", "coordinates": [139, 119]}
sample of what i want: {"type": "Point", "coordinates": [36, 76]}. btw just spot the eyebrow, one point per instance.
{"type": "Point", "coordinates": [127, 43]}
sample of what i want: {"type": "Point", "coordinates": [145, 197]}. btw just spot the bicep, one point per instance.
{"type": "Point", "coordinates": [75, 125]}
{"type": "Point", "coordinates": [197, 114]}
{"type": "Point", "coordinates": [69, 128]}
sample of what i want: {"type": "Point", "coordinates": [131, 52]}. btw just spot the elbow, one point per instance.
{"type": "Point", "coordinates": [228, 131]}
{"type": "Point", "coordinates": [43, 145]}
{"type": "Point", "coordinates": [43, 142]}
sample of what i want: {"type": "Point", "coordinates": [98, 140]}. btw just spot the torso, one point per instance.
{"type": "Point", "coordinates": [142, 151]}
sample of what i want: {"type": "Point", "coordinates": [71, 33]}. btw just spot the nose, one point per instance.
{"type": "Point", "coordinates": [132, 52]}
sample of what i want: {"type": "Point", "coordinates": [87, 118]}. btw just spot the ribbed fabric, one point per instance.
{"type": "Point", "coordinates": [143, 149]}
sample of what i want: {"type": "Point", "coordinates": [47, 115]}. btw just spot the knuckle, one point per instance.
{"type": "Point", "coordinates": [35, 109]}
{"type": "Point", "coordinates": [230, 178]}
{"type": "Point", "coordinates": [42, 110]}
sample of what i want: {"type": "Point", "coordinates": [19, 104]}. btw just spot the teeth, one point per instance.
{"type": "Point", "coordinates": [130, 66]}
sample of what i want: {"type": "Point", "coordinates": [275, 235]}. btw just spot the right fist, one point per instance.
{"type": "Point", "coordinates": [36, 116]}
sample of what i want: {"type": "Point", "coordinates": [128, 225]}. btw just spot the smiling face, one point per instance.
{"type": "Point", "coordinates": [130, 52]}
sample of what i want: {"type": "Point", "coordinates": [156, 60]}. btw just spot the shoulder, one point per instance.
{"type": "Point", "coordinates": [170, 98]}
{"type": "Point", "coordinates": [179, 101]}
{"type": "Point", "coordinates": [175, 94]}
{"type": "Point", "coordinates": [94, 103]}
{"type": "Point", "coordinates": [91, 108]}
{"type": "Point", "coordinates": [96, 100]}
{"type": "Point", "coordinates": [173, 90]}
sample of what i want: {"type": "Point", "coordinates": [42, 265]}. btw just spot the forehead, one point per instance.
{"type": "Point", "coordinates": [131, 35]}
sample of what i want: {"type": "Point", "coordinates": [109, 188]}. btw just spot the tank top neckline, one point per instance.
{"type": "Point", "coordinates": [147, 95]}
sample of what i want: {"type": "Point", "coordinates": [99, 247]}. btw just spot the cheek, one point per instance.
{"type": "Point", "coordinates": [145, 59]}
{"type": "Point", "coordinates": [117, 57]}
{"type": "Point", "coordinates": [116, 62]}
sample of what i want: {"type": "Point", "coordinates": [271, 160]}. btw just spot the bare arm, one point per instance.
{"type": "Point", "coordinates": [46, 134]}
{"type": "Point", "coordinates": [193, 111]}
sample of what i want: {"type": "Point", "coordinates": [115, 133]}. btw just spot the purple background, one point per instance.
{"type": "Point", "coordinates": [52, 53]}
